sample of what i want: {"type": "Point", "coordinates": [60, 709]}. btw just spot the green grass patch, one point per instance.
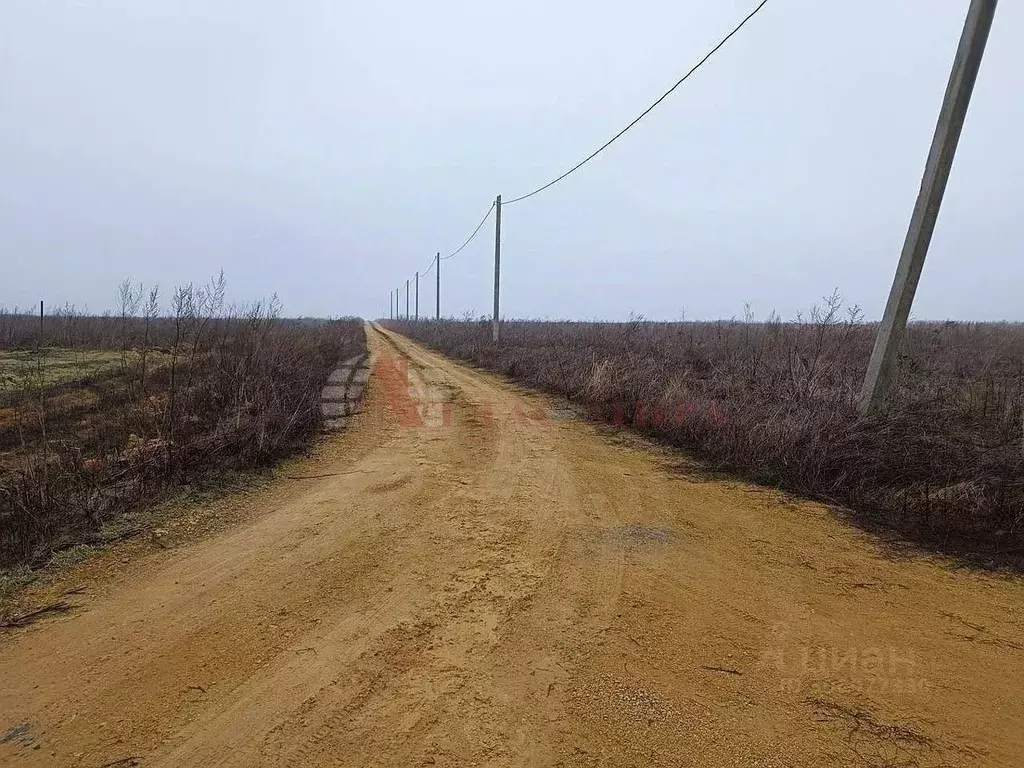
{"type": "Point", "coordinates": [76, 554]}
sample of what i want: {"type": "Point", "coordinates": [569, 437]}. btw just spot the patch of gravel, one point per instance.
{"type": "Point", "coordinates": [635, 537]}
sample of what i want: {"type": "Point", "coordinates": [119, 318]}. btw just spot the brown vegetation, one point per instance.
{"type": "Point", "coordinates": [109, 412]}
{"type": "Point", "coordinates": [943, 465]}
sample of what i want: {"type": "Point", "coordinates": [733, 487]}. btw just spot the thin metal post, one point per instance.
{"type": "Point", "coordinates": [929, 199]}
{"type": "Point", "coordinates": [497, 267]}
{"type": "Point", "coordinates": [437, 296]}
{"type": "Point", "coordinates": [406, 299]}
{"type": "Point", "coordinates": [417, 296]}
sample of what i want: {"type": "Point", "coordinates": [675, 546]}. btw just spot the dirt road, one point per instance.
{"type": "Point", "coordinates": [486, 581]}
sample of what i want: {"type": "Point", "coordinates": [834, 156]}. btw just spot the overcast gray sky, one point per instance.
{"type": "Point", "coordinates": [326, 149]}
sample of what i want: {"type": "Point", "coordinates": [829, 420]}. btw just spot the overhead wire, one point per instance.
{"type": "Point", "coordinates": [610, 141]}
{"type": "Point", "coordinates": [461, 247]}
{"type": "Point", "coordinates": [458, 250]}
{"type": "Point", "coordinates": [646, 112]}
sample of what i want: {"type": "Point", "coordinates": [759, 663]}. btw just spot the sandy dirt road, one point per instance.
{"type": "Point", "coordinates": [469, 578]}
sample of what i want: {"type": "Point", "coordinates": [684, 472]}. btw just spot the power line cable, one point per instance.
{"type": "Point", "coordinates": [458, 250]}
{"type": "Point", "coordinates": [468, 241]}
{"type": "Point", "coordinates": [611, 141]}
{"type": "Point", "coordinates": [647, 111]}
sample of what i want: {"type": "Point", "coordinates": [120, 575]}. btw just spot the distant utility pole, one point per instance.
{"type": "Point", "coordinates": [391, 304]}
{"type": "Point", "coordinates": [437, 295]}
{"type": "Point", "coordinates": [926, 210]}
{"type": "Point", "coordinates": [497, 266]}
{"type": "Point", "coordinates": [417, 296]}
{"type": "Point", "coordinates": [40, 324]}
{"type": "Point", "coordinates": [406, 299]}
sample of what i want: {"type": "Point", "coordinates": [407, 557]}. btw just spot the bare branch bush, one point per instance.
{"type": "Point", "coordinates": [187, 398]}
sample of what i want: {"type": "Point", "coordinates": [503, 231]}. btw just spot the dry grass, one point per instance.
{"type": "Point", "coordinates": [774, 401]}
{"type": "Point", "coordinates": [53, 365]}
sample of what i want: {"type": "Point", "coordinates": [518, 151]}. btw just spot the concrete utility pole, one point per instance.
{"type": "Point", "coordinates": [926, 211]}
{"type": "Point", "coordinates": [497, 267]}
{"type": "Point", "coordinates": [417, 295]}
{"type": "Point", "coordinates": [406, 299]}
{"type": "Point", "coordinates": [437, 295]}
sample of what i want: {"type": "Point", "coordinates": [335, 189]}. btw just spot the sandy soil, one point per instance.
{"type": "Point", "coordinates": [468, 576]}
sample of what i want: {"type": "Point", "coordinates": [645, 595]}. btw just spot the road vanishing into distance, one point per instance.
{"type": "Point", "coordinates": [470, 575]}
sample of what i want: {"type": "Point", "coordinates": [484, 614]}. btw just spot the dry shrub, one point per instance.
{"type": "Point", "coordinates": [601, 381]}
{"type": "Point", "coordinates": [192, 397]}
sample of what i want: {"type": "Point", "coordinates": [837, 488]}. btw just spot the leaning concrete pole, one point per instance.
{"type": "Point", "coordinates": [417, 295]}
{"type": "Point", "coordinates": [497, 267]}
{"type": "Point", "coordinates": [926, 211]}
